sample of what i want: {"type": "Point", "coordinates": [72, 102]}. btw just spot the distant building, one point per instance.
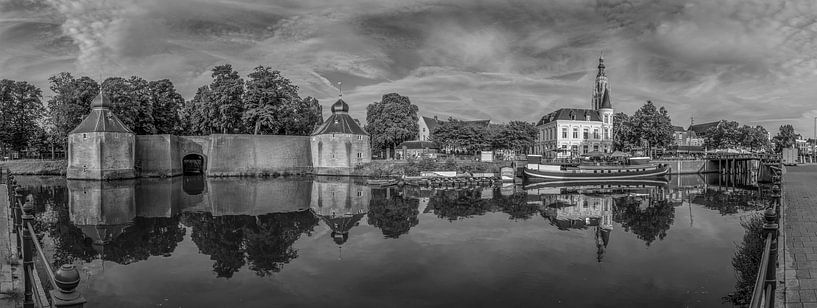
{"type": "Point", "coordinates": [701, 129]}
{"type": "Point", "coordinates": [683, 137]}
{"type": "Point", "coordinates": [570, 131]}
{"type": "Point", "coordinates": [339, 144]}
{"type": "Point", "coordinates": [426, 126]}
{"type": "Point", "coordinates": [417, 149]}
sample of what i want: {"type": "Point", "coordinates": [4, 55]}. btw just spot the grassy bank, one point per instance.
{"type": "Point", "coordinates": [387, 168]}
{"type": "Point", "coordinates": [35, 166]}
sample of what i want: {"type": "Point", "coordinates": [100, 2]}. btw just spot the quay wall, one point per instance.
{"type": "Point", "coordinates": [686, 166]}
{"type": "Point", "coordinates": [157, 155]}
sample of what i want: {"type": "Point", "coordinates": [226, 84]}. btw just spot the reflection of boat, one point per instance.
{"type": "Point", "coordinates": [638, 168]}
{"type": "Point", "coordinates": [590, 184]}
{"type": "Point", "coordinates": [385, 182]}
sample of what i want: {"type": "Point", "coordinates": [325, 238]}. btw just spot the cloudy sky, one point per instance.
{"type": "Point", "coordinates": [753, 61]}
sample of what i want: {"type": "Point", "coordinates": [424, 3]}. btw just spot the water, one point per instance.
{"type": "Point", "coordinates": [330, 241]}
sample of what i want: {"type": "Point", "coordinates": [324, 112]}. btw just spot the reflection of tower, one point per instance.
{"type": "Point", "coordinates": [341, 204]}
{"type": "Point", "coordinates": [102, 210]}
{"type": "Point", "coordinates": [604, 229]}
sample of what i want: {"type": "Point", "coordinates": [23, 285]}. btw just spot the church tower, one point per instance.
{"type": "Point", "coordinates": [601, 86]}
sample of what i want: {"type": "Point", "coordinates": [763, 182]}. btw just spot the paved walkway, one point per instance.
{"type": "Point", "coordinates": [10, 289]}
{"type": "Point", "coordinates": [800, 236]}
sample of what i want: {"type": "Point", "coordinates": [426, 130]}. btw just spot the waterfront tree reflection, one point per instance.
{"type": "Point", "coordinates": [391, 213]}
{"type": "Point", "coordinates": [265, 242]}
{"type": "Point", "coordinates": [146, 237]}
{"type": "Point", "coordinates": [456, 204]}
{"type": "Point", "coordinates": [647, 218]}
{"type": "Point", "coordinates": [731, 201]}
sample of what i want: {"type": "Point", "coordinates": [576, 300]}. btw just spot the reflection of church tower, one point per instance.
{"type": "Point", "coordinates": [340, 203]}
{"type": "Point", "coordinates": [604, 228]}
{"type": "Point", "coordinates": [102, 210]}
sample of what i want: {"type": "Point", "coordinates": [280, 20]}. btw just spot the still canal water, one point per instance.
{"type": "Point", "coordinates": [328, 241]}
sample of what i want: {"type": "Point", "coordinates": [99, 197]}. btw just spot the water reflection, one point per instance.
{"type": "Point", "coordinates": [255, 223]}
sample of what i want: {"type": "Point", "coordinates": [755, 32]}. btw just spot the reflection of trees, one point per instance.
{"type": "Point", "coordinates": [146, 237]}
{"type": "Point", "coordinates": [731, 201]}
{"type": "Point", "coordinates": [516, 205]}
{"type": "Point", "coordinates": [393, 214]}
{"type": "Point", "coordinates": [264, 242]}
{"type": "Point", "coordinates": [648, 222]}
{"type": "Point", "coordinates": [456, 204]}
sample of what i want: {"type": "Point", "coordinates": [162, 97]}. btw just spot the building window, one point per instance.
{"type": "Point", "coordinates": [596, 147]}
{"type": "Point", "coordinates": [606, 118]}
{"type": "Point", "coordinates": [359, 155]}
{"type": "Point", "coordinates": [606, 133]}
{"type": "Point", "coordinates": [564, 132]}
{"type": "Point", "coordinates": [595, 133]}
{"type": "Point", "coordinates": [359, 193]}
{"type": "Point", "coordinates": [575, 133]}
{"type": "Point", "coordinates": [586, 133]}
{"type": "Point", "coordinates": [584, 149]}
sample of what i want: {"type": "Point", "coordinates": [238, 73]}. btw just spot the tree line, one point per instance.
{"type": "Point", "coordinates": [265, 103]}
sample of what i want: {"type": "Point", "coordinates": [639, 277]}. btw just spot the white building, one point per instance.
{"type": "Point", "coordinates": [570, 131]}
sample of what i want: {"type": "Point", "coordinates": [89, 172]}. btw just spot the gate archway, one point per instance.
{"type": "Point", "coordinates": [193, 164]}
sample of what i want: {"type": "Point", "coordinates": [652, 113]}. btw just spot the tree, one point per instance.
{"type": "Point", "coordinates": [724, 135]}
{"type": "Point", "coordinates": [272, 105]}
{"type": "Point", "coordinates": [195, 113]}
{"type": "Point", "coordinates": [226, 109]}
{"type": "Point", "coordinates": [130, 102]}
{"type": "Point", "coordinates": [166, 103]}
{"type": "Point", "coordinates": [391, 121]}
{"type": "Point", "coordinates": [623, 132]}
{"type": "Point", "coordinates": [69, 105]}
{"type": "Point", "coordinates": [516, 135]}
{"type": "Point", "coordinates": [394, 216]}
{"type": "Point", "coordinates": [652, 125]}
{"type": "Point", "coordinates": [455, 135]}
{"type": "Point", "coordinates": [20, 111]}
{"type": "Point", "coordinates": [786, 138]}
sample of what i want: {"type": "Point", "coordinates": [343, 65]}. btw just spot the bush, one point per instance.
{"type": "Point", "coordinates": [747, 259]}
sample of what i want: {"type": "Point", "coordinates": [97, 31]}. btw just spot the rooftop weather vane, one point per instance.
{"type": "Point", "coordinates": [340, 89]}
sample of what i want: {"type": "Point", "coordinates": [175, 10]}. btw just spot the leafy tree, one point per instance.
{"type": "Point", "coordinates": [786, 138]}
{"type": "Point", "coordinates": [516, 135]}
{"type": "Point", "coordinates": [225, 99]}
{"type": "Point", "coordinates": [166, 103]}
{"type": "Point", "coordinates": [754, 138]}
{"type": "Point", "coordinates": [457, 204]}
{"type": "Point", "coordinates": [391, 121]}
{"type": "Point", "coordinates": [195, 113]}
{"type": "Point", "coordinates": [20, 111]}
{"type": "Point", "coordinates": [652, 125]}
{"type": "Point", "coordinates": [459, 136]}
{"type": "Point", "coordinates": [623, 134]}
{"type": "Point", "coordinates": [69, 105]}
{"type": "Point", "coordinates": [724, 135]}
{"type": "Point", "coordinates": [130, 102]}
{"type": "Point", "coordinates": [272, 105]}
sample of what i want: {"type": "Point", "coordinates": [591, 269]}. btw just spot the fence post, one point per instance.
{"type": "Point", "coordinates": [66, 296]}
{"type": "Point", "coordinates": [28, 252]}
{"type": "Point", "coordinates": [18, 219]}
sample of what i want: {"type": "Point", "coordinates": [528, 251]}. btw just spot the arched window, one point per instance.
{"type": "Point", "coordinates": [575, 133]}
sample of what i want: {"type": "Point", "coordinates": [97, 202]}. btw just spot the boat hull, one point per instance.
{"type": "Point", "coordinates": [598, 174]}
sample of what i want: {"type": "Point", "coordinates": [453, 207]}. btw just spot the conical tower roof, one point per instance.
{"type": "Point", "coordinates": [101, 118]}
{"type": "Point", "coordinates": [605, 100]}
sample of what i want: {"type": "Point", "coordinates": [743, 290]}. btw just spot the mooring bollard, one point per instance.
{"type": "Point", "coordinates": [28, 253]}
{"type": "Point", "coordinates": [66, 296]}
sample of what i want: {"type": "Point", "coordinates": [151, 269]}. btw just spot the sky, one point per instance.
{"type": "Point", "coordinates": [751, 61]}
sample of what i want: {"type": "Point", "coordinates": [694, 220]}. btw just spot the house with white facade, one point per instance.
{"type": "Point", "coordinates": [570, 131]}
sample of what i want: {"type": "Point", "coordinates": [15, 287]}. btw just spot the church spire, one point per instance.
{"type": "Point", "coordinates": [601, 88]}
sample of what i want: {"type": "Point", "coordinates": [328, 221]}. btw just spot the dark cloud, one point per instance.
{"type": "Point", "coordinates": [745, 60]}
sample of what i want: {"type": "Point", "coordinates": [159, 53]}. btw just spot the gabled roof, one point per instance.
{"type": "Point", "coordinates": [570, 114]}
{"type": "Point", "coordinates": [701, 129]}
{"type": "Point", "coordinates": [431, 123]}
{"type": "Point", "coordinates": [678, 128]}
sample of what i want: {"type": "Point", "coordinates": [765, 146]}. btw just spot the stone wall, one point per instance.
{"type": "Point", "coordinates": [339, 154]}
{"type": "Point", "coordinates": [158, 155]}
{"type": "Point", "coordinates": [237, 155]}
{"type": "Point", "coordinates": [685, 166]}
{"type": "Point", "coordinates": [101, 156]}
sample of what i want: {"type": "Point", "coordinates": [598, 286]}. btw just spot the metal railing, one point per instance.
{"type": "Point", "coordinates": [766, 283]}
{"type": "Point", "coordinates": [63, 283]}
